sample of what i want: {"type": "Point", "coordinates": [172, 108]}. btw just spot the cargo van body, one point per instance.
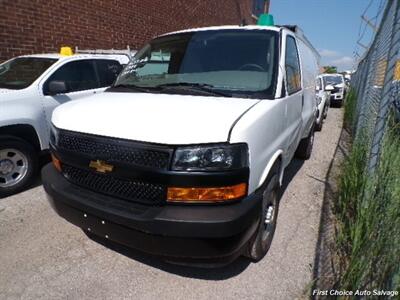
{"type": "Point", "coordinates": [183, 157]}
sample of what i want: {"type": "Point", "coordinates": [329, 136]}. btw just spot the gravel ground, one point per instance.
{"type": "Point", "coordinates": [44, 257]}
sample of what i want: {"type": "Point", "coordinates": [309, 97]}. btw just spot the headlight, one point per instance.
{"type": "Point", "coordinates": [211, 158]}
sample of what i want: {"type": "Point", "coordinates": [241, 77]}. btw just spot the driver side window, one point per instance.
{"type": "Point", "coordinates": [77, 75]}
{"type": "Point", "coordinates": [292, 66]}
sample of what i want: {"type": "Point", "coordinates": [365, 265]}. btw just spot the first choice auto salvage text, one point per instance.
{"type": "Point", "coordinates": [355, 293]}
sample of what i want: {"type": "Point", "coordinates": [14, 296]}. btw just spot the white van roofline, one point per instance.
{"type": "Point", "coordinates": [293, 28]}
{"type": "Point", "coordinates": [300, 34]}
{"type": "Point", "coordinates": [226, 27]}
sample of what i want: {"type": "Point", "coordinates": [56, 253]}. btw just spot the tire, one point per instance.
{"type": "Point", "coordinates": [260, 244]}
{"type": "Point", "coordinates": [305, 147]}
{"type": "Point", "coordinates": [326, 111]}
{"type": "Point", "coordinates": [18, 165]}
{"type": "Point", "coordinates": [318, 126]}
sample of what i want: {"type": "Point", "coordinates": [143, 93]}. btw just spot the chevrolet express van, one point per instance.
{"type": "Point", "coordinates": [184, 155]}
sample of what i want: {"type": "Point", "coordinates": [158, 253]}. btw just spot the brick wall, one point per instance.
{"type": "Point", "coordinates": [40, 26]}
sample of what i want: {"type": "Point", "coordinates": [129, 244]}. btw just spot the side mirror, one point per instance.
{"type": "Point", "coordinates": [57, 87]}
{"type": "Point", "coordinates": [329, 88]}
{"type": "Point", "coordinates": [317, 88]}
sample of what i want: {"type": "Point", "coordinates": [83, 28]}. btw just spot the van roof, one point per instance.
{"type": "Point", "coordinates": [226, 27]}
{"type": "Point", "coordinates": [78, 55]}
{"type": "Point", "coordinates": [120, 57]}
{"type": "Point", "coordinates": [293, 28]}
{"type": "Point", "coordinates": [300, 34]}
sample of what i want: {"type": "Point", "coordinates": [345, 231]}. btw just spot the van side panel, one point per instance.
{"type": "Point", "coordinates": [310, 70]}
{"type": "Point", "coordinates": [264, 128]}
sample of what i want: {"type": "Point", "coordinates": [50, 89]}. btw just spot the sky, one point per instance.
{"type": "Point", "coordinates": [332, 26]}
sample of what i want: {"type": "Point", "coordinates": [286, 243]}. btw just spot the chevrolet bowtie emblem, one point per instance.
{"type": "Point", "coordinates": [101, 166]}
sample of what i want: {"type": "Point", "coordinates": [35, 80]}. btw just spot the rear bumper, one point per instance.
{"type": "Point", "coordinates": [189, 232]}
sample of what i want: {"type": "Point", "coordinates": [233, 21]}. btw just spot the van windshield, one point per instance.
{"type": "Point", "coordinates": [234, 62]}
{"type": "Point", "coordinates": [333, 80]}
{"type": "Point", "coordinates": [21, 72]}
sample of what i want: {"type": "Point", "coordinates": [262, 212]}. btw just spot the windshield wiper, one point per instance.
{"type": "Point", "coordinates": [133, 87]}
{"type": "Point", "coordinates": [194, 86]}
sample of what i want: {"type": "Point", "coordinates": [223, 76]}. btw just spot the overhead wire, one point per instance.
{"type": "Point", "coordinates": [362, 31]}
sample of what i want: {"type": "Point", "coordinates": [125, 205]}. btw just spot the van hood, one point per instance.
{"type": "Point", "coordinates": [340, 85]}
{"type": "Point", "coordinates": [156, 118]}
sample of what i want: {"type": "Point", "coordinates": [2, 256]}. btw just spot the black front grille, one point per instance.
{"type": "Point", "coordinates": [135, 191]}
{"type": "Point", "coordinates": [115, 150]}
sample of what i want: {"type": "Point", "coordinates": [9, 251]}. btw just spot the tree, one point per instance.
{"type": "Point", "coordinates": [330, 69]}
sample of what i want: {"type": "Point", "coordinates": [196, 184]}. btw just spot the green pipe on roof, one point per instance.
{"type": "Point", "coordinates": [265, 20]}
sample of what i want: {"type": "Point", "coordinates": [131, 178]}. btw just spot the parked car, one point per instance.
{"type": "Point", "coordinates": [338, 92]}
{"type": "Point", "coordinates": [31, 86]}
{"type": "Point", "coordinates": [184, 155]}
{"type": "Point", "coordinates": [323, 97]}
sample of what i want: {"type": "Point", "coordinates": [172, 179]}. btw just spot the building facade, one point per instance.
{"type": "Point", "coordinates": [42, 26]}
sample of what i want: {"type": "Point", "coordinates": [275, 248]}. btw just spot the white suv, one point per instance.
{"type": "Point", "coordinates": [336, 85]}
{"type": "Point", "coordinates": [31, 87]}
{"type": "Point", "coordinates": [183, 157]}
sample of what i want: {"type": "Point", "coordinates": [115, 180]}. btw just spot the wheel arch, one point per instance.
{"type": "Point", "coordinates": [275, 162]}
{"type": "Point", "coordinates": [25, 132]}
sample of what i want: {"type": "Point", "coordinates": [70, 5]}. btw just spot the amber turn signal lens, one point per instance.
{"type": "Point", "coordinates": [56, 163]}
{"type": "Point", "coordinates": [212, 194]}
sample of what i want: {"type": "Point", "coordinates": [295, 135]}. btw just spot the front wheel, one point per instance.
{"type": "Point", "coordinates": [326, 111]}
{"type": "Point", "coordinates": [18, 165]}
{"type": "Point", "coordinates": [306, 145]}
{"type": "Point", "coordinates": [318, 126]}
{"type": "Point", "coordinates": [261, 243]}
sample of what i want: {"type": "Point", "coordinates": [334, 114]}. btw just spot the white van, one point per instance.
{"type": "Point", "coordinates": [183, 157]}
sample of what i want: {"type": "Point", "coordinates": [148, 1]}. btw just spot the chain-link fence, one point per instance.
{"type": "Point", "coordinates": [374, 202]}
{"type": "Point", "coordinates": [376, 83]}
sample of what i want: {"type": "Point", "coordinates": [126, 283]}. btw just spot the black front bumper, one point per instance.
{"type": "Point", "coordinates": [188, 232]}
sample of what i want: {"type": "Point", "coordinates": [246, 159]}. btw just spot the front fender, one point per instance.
{"type": "Point", "coordinates": [262, 128]}
{"type": "Point", "coordinates": [277, 156]}
{"type": "Point", "coordinates": [22, 115]}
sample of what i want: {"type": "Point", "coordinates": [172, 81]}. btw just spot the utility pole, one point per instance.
{"type": "Point", "coordinates": [266, 6]}
{"type": "Point", "coordinates": [266, 9]}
